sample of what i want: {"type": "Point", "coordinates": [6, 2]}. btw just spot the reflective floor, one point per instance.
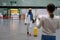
{"type": "Point", "coordinates": [16, 30]}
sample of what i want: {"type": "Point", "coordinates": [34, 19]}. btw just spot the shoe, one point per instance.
{"type": "Point", "coordinates": [27, 33]}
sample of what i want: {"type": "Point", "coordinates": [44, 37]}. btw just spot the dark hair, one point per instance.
{"type": "Point", "coordinates": [51, 9]}
{"type": "Point", "coordinates": [29, 10]}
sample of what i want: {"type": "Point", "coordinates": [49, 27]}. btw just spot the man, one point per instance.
{"type": "Point", "coordinates": [29, 20]}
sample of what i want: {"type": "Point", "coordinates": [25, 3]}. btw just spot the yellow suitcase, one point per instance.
{"type": "Point", "coordinates": [35, 33]}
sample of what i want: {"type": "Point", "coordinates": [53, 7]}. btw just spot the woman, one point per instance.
{"type": "Point", "coordinates": [49, 24]}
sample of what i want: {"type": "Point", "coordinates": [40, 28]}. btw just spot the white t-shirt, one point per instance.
{"type": "Point", "coordinates": [49, 25]}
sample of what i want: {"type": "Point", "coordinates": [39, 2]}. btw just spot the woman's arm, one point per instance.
{"type": "Point", "coordinates": [39, 23]}
{"type": "Point", "coordinates": [58, 25]}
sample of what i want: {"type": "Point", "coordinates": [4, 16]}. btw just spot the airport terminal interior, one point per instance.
{"type": "Point", "coordinates": [12, 20]}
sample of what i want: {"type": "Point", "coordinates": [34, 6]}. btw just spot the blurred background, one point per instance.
{"type": "Point", "coordinates": [12, 19]}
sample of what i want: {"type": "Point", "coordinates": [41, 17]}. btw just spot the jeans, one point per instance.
{"type": "Point", "coordinates": [47, 37]}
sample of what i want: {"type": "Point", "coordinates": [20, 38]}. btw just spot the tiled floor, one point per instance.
{"type": "Point", "coordinates": [16, 30]}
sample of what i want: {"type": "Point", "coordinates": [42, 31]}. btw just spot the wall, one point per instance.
{"type": "Point", "coordinates": [30, 2]}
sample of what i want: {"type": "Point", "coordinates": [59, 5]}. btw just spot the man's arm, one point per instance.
{"type": "Point", "coordinates": [26, 19]}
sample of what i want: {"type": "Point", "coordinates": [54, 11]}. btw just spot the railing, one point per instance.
{"type": "Point", "coordinates": [33, 7]}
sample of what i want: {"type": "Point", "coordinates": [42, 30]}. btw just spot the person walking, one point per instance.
{"type": "Point", "coordinates": [29, 20]}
